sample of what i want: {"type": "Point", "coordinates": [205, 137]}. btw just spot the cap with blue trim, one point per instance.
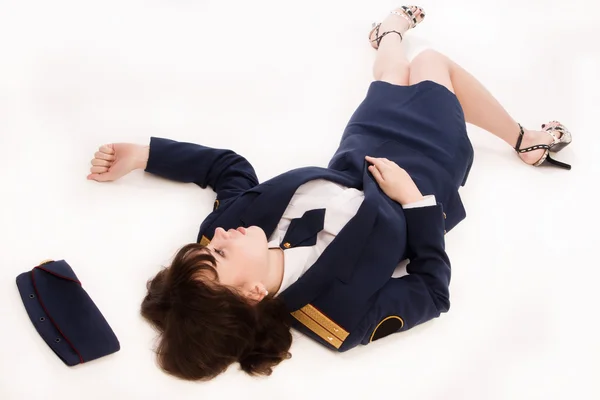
{"type": "Point", "coordinates": [64, 315]}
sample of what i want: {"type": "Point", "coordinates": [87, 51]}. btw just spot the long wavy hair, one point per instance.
{"type": "Point", "coordinates": [205, 327]}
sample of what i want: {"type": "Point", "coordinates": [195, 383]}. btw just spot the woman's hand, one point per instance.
{"type": "Point", "coordinates": [112, 161]}
{"type": "Point", "coordinates": [394, 181]}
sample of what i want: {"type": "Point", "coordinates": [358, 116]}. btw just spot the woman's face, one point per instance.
{"type": "Point", "coordinates": [242, 258]}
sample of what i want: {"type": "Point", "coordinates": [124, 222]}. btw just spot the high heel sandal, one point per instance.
{"type": "Point", "coordinates": [404, 12]}
{"type": "Point", "coordinates": [558, 143]}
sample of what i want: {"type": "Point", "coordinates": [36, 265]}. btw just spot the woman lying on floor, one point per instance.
{"type": "Point", "coordinates": [315, 248]}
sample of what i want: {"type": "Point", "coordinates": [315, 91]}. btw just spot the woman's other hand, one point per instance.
{"type": "Point", "coordinates": [394, 181]}
{"type": "Point", "coordinates": [112, 161]}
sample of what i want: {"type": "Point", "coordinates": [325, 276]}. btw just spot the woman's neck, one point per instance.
{"type": "Point", "coordinates": [276, 267]}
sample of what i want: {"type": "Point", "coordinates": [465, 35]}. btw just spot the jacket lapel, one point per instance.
{"type": "Point", "coordinates": [267, 209]}
{"type": "Point", "coordinates": [340, 256]}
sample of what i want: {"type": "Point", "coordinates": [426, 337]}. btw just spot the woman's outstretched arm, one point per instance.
{"type": "Point", "coordinates": [225, 171]}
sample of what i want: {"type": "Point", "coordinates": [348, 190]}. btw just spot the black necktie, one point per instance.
{"type": "Point", "coordinates": [303, 231]}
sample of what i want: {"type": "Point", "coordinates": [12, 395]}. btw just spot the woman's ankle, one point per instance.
{"type": "Point", "coordinates": [534, 138]}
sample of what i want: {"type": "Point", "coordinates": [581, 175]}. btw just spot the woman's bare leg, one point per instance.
{"type": "Point", "coordinates": [391, 64]}
{"type": "Point", "coordinates": [479, 106]}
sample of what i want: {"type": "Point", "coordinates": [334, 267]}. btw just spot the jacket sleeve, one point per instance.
{"type": "Point", "coordinates": [226, 172]}
{"type": "Point", "coordinates": [423, 294]}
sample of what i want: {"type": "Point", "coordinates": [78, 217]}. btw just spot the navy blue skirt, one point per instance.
{"type": "Point", "coordinates": [425, 117]}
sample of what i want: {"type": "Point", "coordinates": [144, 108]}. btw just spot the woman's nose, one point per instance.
{"type": "Point", "coordinates": [221, 233]}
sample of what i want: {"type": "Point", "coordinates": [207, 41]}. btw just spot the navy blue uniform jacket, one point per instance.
{"type": "Point", "coordinates": [348, 296]}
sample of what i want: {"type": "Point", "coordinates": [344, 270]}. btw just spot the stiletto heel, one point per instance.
{"type": "Point", "coordinates": [557, 163]}
{"type": "Point", "coordinates": [556, 145]}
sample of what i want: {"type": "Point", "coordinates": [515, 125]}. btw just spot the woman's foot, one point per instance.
{"type": "Point", "coordinates": [533, 138]}
{"type": "Point", "coordinates": [396, 24]}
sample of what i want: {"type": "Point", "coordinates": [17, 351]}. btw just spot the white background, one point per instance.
{"type": "Point", "coordinates": [277, 81]}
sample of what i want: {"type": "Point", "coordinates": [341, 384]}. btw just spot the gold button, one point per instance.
{"type": "Point", "coordinates": [46, 262]}
{"type": "Point", "coordinates": [216, 205]}
{"type": "Point", "coordinates": [287, 245]}
{"type": "Point", "coordinates": [444, 215]}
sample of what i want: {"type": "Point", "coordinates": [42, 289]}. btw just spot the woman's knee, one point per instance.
{"type": "Point", "coordinates": [396, 74]}
{"type": "Point", "coordinates": [429, 56]}
{"type": "Point", "coordinates": [430, 65]}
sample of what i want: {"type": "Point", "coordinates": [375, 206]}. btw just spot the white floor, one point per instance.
{"type": "Point", "coordinates": [276, 81]}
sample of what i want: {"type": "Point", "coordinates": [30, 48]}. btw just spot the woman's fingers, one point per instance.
{"type": "Point", "coordinates": [98, 170]}
{"type": "Point", "coordinates": [103, 160]}
{"type": "Point", "coordinates": [376, 173]}
{"type": "Point", "coordinates": [379, 162]}
{"type": "Point", "coordinates": [100, 163]}
{"type": "Point", "coordinates": [107, 148]}
{"type": "Point", "coordinates": [384, 163]}
{"type": "Point", "coordinates": [378, 167]}
{"type": "Point", "coordinates": [104, 156]}
{"type": "Point", "coordinates": [100, 177]}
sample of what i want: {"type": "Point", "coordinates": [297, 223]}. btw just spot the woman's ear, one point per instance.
{"type": "Point", "coordinates": [257, 292]}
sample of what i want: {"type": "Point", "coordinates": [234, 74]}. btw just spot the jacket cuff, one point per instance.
{"type": "Point", "coordinates": [425, 225]}
{"type": "Point", "coordinates": [153, 155]}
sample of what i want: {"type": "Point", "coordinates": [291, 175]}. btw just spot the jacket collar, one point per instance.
{"type": "Point", "coordinates": [268, 204]}
{"type": "Point", "coordinates": [275, 195]}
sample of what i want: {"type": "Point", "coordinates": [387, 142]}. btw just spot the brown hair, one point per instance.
{"type": "Point", "coordinates": [205, 327]}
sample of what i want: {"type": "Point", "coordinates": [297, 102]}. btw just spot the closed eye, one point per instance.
{"type": "Point", "coordinates": [220, 252]}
